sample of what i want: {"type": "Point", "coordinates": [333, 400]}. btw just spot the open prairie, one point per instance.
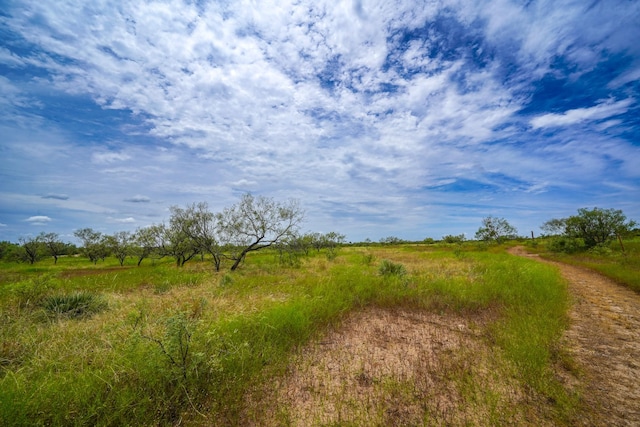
{"type": "Point", "coordinates": [378, 335]}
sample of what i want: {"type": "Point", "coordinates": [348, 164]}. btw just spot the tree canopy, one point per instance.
{"type": "Point", "coordinates": [595, 226]}
{"type": "Point", "coordinates": [255, 223]}
{"type": "Point", "coordinates": [495, 229]}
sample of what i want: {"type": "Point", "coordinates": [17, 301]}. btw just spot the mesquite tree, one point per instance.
{"type": "Point", "coordinates": [495, 229]}
{"type": "Point", "coordinates": [256, 223]}
{"type": "Point", "coordinates": [595, 226]}
{"type": "Point", "coordinates": [32, 248]}
{"type": "Point", "coordinates": [53, 244]}
{"type": "Point", "coordinates": [198, 224]}
{"type": "Point", "coordinates": [93, 244]}
{"type": "Point", "coordinates": [120, 245]}
{"type": "Point", "coordinates": [172, 241]}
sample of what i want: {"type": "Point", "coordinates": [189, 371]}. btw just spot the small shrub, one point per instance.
{"type": "Point", "coordinates": [75, 305]}
{"type": "Point", "coordinates": [390, 268]}
{"type": "Point", "coordinates": [290, 259]}
{"type": "Point", "coordinates": [602, 250]}
{"type": "Point", "coordinates": [175, 345]}
{"type": "Point", "coordinates": [453, 239]}
{"type": "Point", "coordinates": [32, 291]}
{"type": "Point", "coordinates": [332, 253]}
{"type": "Point", "coordinates": [568, 245]}
{"type": "Point", "coordinates": [368, 258]}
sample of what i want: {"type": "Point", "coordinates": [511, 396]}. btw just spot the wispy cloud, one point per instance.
{"type": "Point", "coordinates": [603, 110]}
{"type": "Point", "coordinates": [109, 157]}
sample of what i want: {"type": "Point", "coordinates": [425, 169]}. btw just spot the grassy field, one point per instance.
{"type": "Point", "coordinates": [160, 345]}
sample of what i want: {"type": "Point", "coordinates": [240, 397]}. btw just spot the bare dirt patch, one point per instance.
{"type": "Point", "coordinates": [396, 368]}
{"type": "Point", "coordinates": [604, 340]}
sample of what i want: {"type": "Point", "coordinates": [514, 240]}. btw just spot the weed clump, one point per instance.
{"type": "Point", "coordinates": [226, 280]}
{"type": "Point", "coordinates": [368, 258]}
{"type": "Point", "coordinates": [390, 268]}
{"type": "Point", "coordinates": [30, 292]}
{"type": "Point", "coordinates": [74, 305]}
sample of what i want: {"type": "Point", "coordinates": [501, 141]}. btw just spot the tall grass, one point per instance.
{"type": "Point", "coordinates": [535, 304]}
{"type": "Point", "coordinates": [185, 345]}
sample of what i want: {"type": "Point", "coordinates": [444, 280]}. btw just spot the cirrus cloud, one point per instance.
{"type": "Point", "coordinates": [603, 110]}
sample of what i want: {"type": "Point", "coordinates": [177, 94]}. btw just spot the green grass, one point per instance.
{"type": "Point", "coordinates": [187, 344]}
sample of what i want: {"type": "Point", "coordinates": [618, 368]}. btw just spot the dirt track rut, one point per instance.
{"type": "Point", "coordinates": [604, 340]}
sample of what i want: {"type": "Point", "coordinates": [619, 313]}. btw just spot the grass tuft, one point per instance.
{"type": "Point", "coordinates": [390, 268]}
{"type": "Point", "coordinates": [74, 305]}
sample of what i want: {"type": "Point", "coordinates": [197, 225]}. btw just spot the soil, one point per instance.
{"type": "Point", "coordinates": [604, 341]}
{"type": "Point", "coordinates": [389, 367]}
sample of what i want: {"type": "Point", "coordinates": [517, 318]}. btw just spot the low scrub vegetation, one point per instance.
{"type": "Point", "coordinates": [390, 268]}
{"type": "Point", "coordinates": [163, 345]}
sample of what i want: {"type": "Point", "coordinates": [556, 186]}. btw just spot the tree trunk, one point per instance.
{"type": "Point", "coordinates": [237, 262]}
{"type": "Point", "coordinates": [216, 261]}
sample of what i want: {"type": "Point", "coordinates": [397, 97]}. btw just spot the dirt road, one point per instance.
{"type": "Point", "coordinates": [604, 340]}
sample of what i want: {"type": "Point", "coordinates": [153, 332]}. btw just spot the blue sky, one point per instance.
{"type": "Point", "coordinates": [383, 118]}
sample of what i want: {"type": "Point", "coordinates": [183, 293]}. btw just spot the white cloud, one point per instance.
{"type": "Point", "coordinates": [10, 59]}
{"type": "Point", "coordinates": [128, 220]}
{"type": "Point", "coordinates": [578, 115]}
{"type": "Point", "coordinates": [38, 220]}
{"type": "Point", "coordinates": [11, 94]}
{"type": "Point", "coordinates": [109, 157]}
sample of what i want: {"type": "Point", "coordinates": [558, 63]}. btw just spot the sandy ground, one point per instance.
{"type": "Point", "coordinates": [604, 340]}
{"type": "Point", "coordinates": [390, 368]}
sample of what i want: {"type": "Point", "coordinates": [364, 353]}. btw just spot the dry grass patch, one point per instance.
{"type": "Point", "coordinates": [395, 367]}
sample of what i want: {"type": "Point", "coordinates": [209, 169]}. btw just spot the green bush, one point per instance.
{"type": "Point", "coordinates": [390, 268]}
{"type": "Point", "coordinates": [568, 245]}
{"type": "Point", "coordinates": [601, 249]}
{"type": "Point", "coordinates": [453, 239]}
{"type": "Point", "coordinates": [31, 291]}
